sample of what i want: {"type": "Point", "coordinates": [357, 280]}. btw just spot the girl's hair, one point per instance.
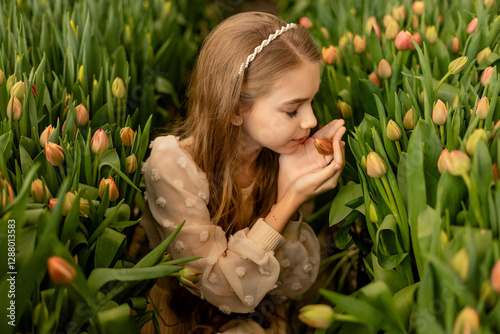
{"type": "Point", "coordinates": [217, 93]}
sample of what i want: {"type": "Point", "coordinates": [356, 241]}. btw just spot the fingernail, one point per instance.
{"type": "Point", "coordinates": [336, 166]}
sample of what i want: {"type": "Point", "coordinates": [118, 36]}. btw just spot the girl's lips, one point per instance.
{"type": "Point", "coordinates": [300, 141]}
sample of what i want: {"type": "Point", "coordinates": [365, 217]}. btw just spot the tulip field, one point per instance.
{"type": "Point", "coordinates": [85, 84]}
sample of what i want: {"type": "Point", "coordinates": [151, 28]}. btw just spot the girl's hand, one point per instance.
{"type": "Point", "coordinates": [306, 158]}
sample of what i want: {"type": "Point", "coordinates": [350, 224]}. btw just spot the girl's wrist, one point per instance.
{"type": "Point", "coordinates": [285, 209]}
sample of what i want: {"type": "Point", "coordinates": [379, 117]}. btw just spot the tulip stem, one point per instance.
{"type": "Point", "coordinates": [61, 170]}
{"type": "Point", "coordinates": [386, 85]}
{"type": "Point", "coordinates": [334, 76]}
{"type": "Point", "coordinates": [441, 130]}
{"type": "Point", "coordinates": [90, 303]}
{"type": "Point", "coordinates": [398, 147]}
{"type": "Point", "coordinates": [441, 82]}
{"type": "Point", "coordinates": [96, 163]}
{"type": "Point", "coordinates": [481, 123]}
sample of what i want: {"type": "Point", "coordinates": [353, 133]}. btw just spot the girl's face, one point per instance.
{"type": "Point", "coordinates": [282, 119]}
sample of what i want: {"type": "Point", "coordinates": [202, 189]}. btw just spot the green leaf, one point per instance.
{"type": "Point", "coordinates": [338, 210]}
{"type": "Point", "coordinates": [109, 247]}
{"type": "Point", "coordinates": [389, 251]}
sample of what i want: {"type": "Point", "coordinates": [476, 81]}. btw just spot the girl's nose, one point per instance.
{"type": "Point", "coordinates": [308, 120]}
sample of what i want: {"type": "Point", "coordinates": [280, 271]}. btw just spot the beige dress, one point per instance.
{"type": "Point", "coordinates": [239, 271]}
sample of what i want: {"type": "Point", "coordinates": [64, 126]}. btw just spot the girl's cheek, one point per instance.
{"type": "Point", "coordinates": [277, 124]}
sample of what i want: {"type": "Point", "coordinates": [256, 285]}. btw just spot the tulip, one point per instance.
{"type": "Point", "coordinates": [384, 69]}
{"type": "Point", "coordinates": [54, 154]}
{"type": "Point", "coordinates": [392, 30]}
{"type": "Point", "coordinates": [399, 13]}
{"type": "Point", "coordinates": [375, 165]}
{"type": "Point", "coordinates": [457, 65]}
{"type": "Point", "coordinates": [6, 193]}
{"type": "Point", "coordinates": [80, 74]}
{"type": "Point", "coordinates": [82, 115]}
{"type": "Point", "coordinates": [189, 276]}
{"type": "Point", "coordinates": [444, 238]}
{"type": "Point", "coordinates": [393, 131]}
{"type": "Point", "coordinates": [489, 2]}
{"type": "Point", "coordinates": [388, 19]}
{"type": "Point", "coordinates": [67, 99]}
{"type": "Point", "coordinates": [100, 142]}
{"type": "Point", "coordinates": [323, 146]}
{"type": "Point", "coordinates": [306, 22]}
{"type": "Point", "coordinates": [60, 271]}
{"type": "Point", "coordinates": [325, 32]}
{"type": "Point", "coordinates": [495, 172]}
{"type": "Point", "coordinates": [371, 23]}
{"type": "Point", "coordinates": [359, 44]}
{"type": "Point", "coordinates": [471, 27]}
{"type": "Point", "coordinates": [409, 120]}
{"type": "Point", "coordinates": [415, 23]}
{"type": "Point", "coordinates": [2, 77]}
{"type": "Point", "coordinates": [460, 263]}
{"type": "Point", "coordinates": [482, 107]}
{"type": "Point", "coordinates": [69, 199]}
{"type": "Point", "coordinates": [33, 90]}
{"type": "Point", "coordinates": [344, 109]}
{"type": "Point", "coordinates": [373, 77]}
{"type": "Point", "coordinates": [467, 322]}
{"type": "Point", "coordinates": [113, 190]}
{"type": "Point", "coordinates": [10, 82]}
{"type": "Point", "coordinates": [455, 44]}
{"type": "Point", "coordinates": [439, 113]}
{"type": "Point", "coordinates": [118, 88]}
{"type": "Point", "coordinates": [45, 135]}
{"type": "Point", "coordinates": [127, 136]}
{"type": "Point", "coordinates": [483, 54]}
{"type": "Point", "coordinates": [403, 41]}
{"type": "Point", "coordinates": [373, 213]}
{"type": "Point", "coordinates": [317, 315]}
{"type": "Point", "coordinates": [329, 55]}
{"type": "Point", "coordinates": [443, 161]}
{"type": "Point", "coordinates": [18, 90]}
{"type": "Point", "coordinates": [84, 210]}
{"type": "Point", "coordinates": [418, 7]}
{"type": "Point", "coordinates": [486, 76]}
{"type": "Point", "coordinates": [431, 34]}
{"type": "Point", "coordinates": [416, 37]}
{"type": "Point", "coordinates": [343, 41]}
{"type": "Point", "coordinates": [474, 138]}
{"type": "Point", "coordinates": [39, 191]}
{"type": "Point", "coordinates": [495, 277]}
{"type": "Point", "coordinates": [130, 164]}
{"type": "Point", "coordinates": [15, 108]}
{"type": "Point", "coordinates": [457, 163]}
{"type": "Point", "coordinates": [455, 102]}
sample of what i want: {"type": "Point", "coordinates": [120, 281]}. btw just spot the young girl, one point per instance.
{"type": "Point", "coordinates": [238, 170]}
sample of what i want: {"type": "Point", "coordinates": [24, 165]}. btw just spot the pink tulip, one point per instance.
{"type": "Point", "coordinates": [472, 25]}
{"type": "Point", "coordinates": [416, 37]}
{"type": "Point", "coordinates": [384, 69]}
{"type": "Point", "coordinates": [82, 115]}
{"type": "Point", "coordinates": [375, 165]}
{"type": "Point", "coordinates": [486, 76]}
{"type": "Point", "coordinates": [100, 142]}
{"type": "Point", "coordinates": [45, 135]}
{"type": "Point", "coordinates": [306, 22]}
{"type": "Point", "coordinates": [329, 55]}
{"type": "Point", "coordinates": [373, 77]}
{"type": "Point", "coordinates": [418, 7]}
{"type": "Point", "coordinates": [54, 154]}
{"type": "Point", "coordinates": [439, 113]}
{"type": "Point", "coordinates": [323, 146]}
{"type": "Point", "coordinates": [113, 189]}
{"type": "Point", "coordinates": [60, 271]}
{"type": "Point", "coordinates": [359, 44]}
{"type": "Point", "coordinates": [402, 41]}
{"type": "Point", "coordinates": [14, 108]}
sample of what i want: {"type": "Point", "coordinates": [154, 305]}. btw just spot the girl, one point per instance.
{"type": "Point", "coordinates": [238, 170]}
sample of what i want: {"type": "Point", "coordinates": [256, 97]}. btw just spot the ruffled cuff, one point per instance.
{"type": "Point", "coordinates": [265, 235]}
{"type": "Point", "coordinates": [292, 229]}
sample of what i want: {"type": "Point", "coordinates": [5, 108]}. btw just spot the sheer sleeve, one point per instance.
{"type": "Point", "coordinates": [237, 272]}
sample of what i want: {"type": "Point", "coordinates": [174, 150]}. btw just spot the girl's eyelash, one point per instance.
{"type": "Point", "coordinates": [292, 114]}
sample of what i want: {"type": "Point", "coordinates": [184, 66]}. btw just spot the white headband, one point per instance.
{"type": "Point", "coordinates": [264, 43]}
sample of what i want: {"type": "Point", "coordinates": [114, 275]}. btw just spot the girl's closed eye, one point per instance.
{"type": "Point", "coordinates": [292, 114]}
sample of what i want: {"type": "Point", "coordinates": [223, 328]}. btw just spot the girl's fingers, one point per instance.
{"type": "Point", "coordinates": [330, 129]}
{"type": "Point", "coordinates": [339, 133]}
{"type": "Point", "coordinates": [338, 153]}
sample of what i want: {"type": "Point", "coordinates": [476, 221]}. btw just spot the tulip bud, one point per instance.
{"type": "Point", "coordinates": [6, 193]}
{"type": "Point", "coordinates": [486, 76]}
{"type": "Point", "coordinates": [15, 108]}
{"type": "Point", "coordinates": [457, 65]}
{"type": "Point", "coordinates": [471, 27]}
{"type": "Point", "coordinates": [69, 198]}
{"type": "Point", "coordinates": [482, 107]}
{"type": "Point", "coordinates": [39, 191]}
{"type": "Point", "coordinates": [18, 90]}
{"type": "Point", "coordinates": [403, 41]}
{"type": "Point", "coordinates": [54, 154]}
{"type": "Point", "coordinates": [10, 82]}
{"type": "Point", "coordinates": [399, 13]}
{"type": "Point", "coordinates": [415, 23]}
{"type": "Point", "coordinates": [444, 238]}
{"type": "Point", "coordinates": [359, 44]}
{"type": "Point", "coordinates": [118, 88]}
{"type": "Point", "coordinates": [439, 113]}
{"type": "Point", "coordinates": [84, 210]}
{"type": "Point", "coordinates": [477, 135]}
{"type": "Point", "coordinates": [416, 37]}
{"type": "Point", "coordinates": [344, 109]}
{"type": "Point", "coordinates": [60, 271]}
{"type": "Point", "coordinates": [495, 277]}
{"type": "Point", "coordinates": [457, 163]}
{"type": "Point", "coordinates": [82, 115]}
{"type": "Point", "coordinates": [388, 19]}
{"type": "Point", "coordinates": [2, 77]}
{"type": "Point", "coordinates": [45, 135]}
{"type": "Point", "coordinates": [325, 32]}
{"type": "Point", "coordinates": [460, 263]}
{"type": "Point", "coordinates": [488, 3]}
{"type": "Point", "coordinates": [442, 163]}
{"type": "Point", "coordinates": [371, 23]}
{"type": "Point", "coordinates": [317, 315]}
{"type": "Point", "coordinates": [127, 136]}
{"type": "Point", "coordinates": [375, 165]}
{"type": "Point", "coordinates": [431, 34]}
{"type": "Point", "coordinates": [409, 120]}
{"type": "Point", "coordinates": [130, 164]}
{"type": "Point", "coordinates": [329, 55]}
{"type": "Point", "coordinates": [392, 30]}
{"type": "Point", "coordinates": [113, 190]}
{"type": "Point", "coordinates": [80, 74]}
{"type": "Point", "coordinates": [306, 22]}
{"type": "Point", "coordinates": [483, 54]}
{"type": "Point", "coordinates": [373, 213]}
{"type": "Point", "coordinates": [455, 102]}
{"type": "Point", "coordinates": [393, 131]}
{"type": "Point", "coordinates": [373, 77]}
{"type": "Point", "coordinates": [455, 44]}
{"type": "Point", "coordinates": [418, 7]}
{"type": "Point", "coordinates": [100, 142]}
{"type": "Point", "coordinates": [384, 69]}
{"type": "Point", "coordinates": [467, 322]}
{"type": "Point", "coordinates": [323, 146]}
{"type": "Point", "coordinates": [189, 276]}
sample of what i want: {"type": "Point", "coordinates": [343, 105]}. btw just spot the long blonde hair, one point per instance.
{"type": "Point", "coordinates": [217, 93]}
